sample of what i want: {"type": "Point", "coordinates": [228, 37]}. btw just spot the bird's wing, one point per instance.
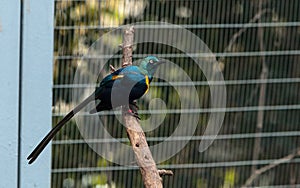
{"type": "Point", "coordinates": [107, 82]}
{"type": "Point", "coordinates": [131, 75]}
{"type": "Point", "coordinates": [111, 78]}
{"type": "Point", "coordinates": [125, 76]}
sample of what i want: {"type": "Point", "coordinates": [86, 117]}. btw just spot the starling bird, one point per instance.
{"type": "Point", "coordinates": [131, 81]}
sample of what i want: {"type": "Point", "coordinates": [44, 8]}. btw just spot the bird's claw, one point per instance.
{"type": "Point", "coordinates": [132, 110]}
{"type": "Point", "coordinates": [133, 105]}
{"type": "Point", "coordinates": [134, 114]}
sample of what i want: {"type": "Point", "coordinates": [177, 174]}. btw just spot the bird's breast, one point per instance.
{"type": "Point", "coordinates": [140, 88]}
{"type": "Point", "coordinates": [147, 83]}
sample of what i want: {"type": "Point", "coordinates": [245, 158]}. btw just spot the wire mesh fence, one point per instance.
{"type": "Point", "coordinates": [257, 47]}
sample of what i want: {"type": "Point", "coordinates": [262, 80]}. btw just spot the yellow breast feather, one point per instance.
{"type": "Point", "coordinates": [147, 83]}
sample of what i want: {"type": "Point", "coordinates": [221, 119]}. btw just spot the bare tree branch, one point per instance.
{"type": "Point", "coordinates": [236, 35]}
{"type": "Point", "coordinates": [142, 152]}
{"type": "Point", "coordinates": [275, 163]}
{"type": "Point", "coordinates": [150, 174]}
{"type": "Point", "coordinates": [262, 92]}
{"type": "Point", "coordinates": [127, 46]}
{"type": "Point", "coordinates": [233, 39]}
{"type": "Point", "coordinates": [112, 68]}
{"type": "Point", "coordinates": [164, 172]}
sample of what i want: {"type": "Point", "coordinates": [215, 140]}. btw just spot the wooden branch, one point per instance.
{"type": "Point", "coordinates": [143, 156]}
{"type": "Point", "coordinates": [127, 46]}
{"type": "Point", "coordinates": [164, 172]}
{"type": "Point", "coordinates": [255, 18]}
{"type": "Point", "coordinates": [233, 39]}
{"type": "Point", "coordinates": [236, 35]}
{"type": "Point", "coordinates": [262, 92]}
{"type": "Point", "coordinates": [142, 152]}
{"type": "Point", "coordinates": [112, 68]}
{"type": "Point", "coordinates": [275, 163]}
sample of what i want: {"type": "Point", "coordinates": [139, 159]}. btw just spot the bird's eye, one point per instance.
{"type": "Point", "coordinates": [151, 61]}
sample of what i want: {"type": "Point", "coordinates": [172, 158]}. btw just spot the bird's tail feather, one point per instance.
{"type": "Point", "coordinates": [101, 107]}
{"type": "Point", "coordinates": [39, 148]}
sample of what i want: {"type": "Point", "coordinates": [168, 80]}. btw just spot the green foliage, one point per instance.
{"type": "Point", "coordinates": [229, 178]}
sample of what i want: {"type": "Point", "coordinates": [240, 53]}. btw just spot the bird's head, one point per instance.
{"type": "Point", "coordinates": [150, 64]}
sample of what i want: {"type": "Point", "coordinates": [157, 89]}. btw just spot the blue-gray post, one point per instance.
{"type": "Point", "coordinates": [9, 95]}
{"type": "Point", "coordinates": [26, 51]}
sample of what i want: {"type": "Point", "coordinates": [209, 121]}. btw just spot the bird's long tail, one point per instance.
{"type": "Point", "coordinates": [39, 148]}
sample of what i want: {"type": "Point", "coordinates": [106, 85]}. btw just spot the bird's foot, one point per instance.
{"type": "Point", "coordinates": [133, 110]}
{"type": "Point", "coordinates": [134, 114]}
{"type": "Point", "coordinates": [133, 105]}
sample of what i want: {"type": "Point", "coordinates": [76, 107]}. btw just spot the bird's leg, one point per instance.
{"type": "Point", "coordinates": [133, 106]}
{"type": "Point", "coordinates": [133, 109]}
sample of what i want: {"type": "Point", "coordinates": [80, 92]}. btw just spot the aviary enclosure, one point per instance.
{"type": "Point", "coordinates": [256, 45]}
